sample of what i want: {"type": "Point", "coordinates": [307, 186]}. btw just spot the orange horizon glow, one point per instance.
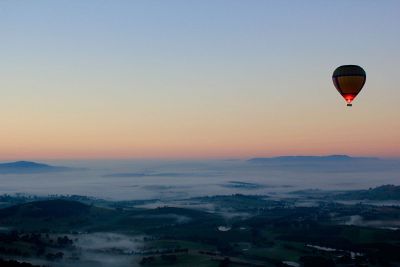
{"type": "Point", "coordinates": [195, 154]}
{"type": "Point", "coordinates": [212, 134]}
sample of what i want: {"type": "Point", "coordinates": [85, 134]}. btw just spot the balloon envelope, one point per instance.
{"type": "Point", "coordinates": [349, 80]}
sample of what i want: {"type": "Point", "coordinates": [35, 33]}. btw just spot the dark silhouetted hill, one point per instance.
{"type": "Point", "coordinates": [29, 167]}
{"type": "Point", "coordinates": [384, 192]}
{"type": "Point", "coordinates": [13, 263]}
{"type": "Point", "coordinates": [66, 215]}
{"type": "Point", "coordinates": [47, 208]}
{"type": "Point", "coordinates": [55, 214]}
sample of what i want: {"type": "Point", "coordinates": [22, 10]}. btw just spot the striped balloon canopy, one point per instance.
{"type": "Point", "coordinates": [349, 80]}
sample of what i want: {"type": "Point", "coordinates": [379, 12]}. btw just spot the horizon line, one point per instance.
{"type": "Point", "coordinates": [199, 158]}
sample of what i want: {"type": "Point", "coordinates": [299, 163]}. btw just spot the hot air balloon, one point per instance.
{"type": "Point", "coordinates": [349, 80]}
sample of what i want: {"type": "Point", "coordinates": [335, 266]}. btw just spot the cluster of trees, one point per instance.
{"type": "Point", "coordinates": [54, 256]}
{"type": "Point", "coordinates": [166, 258]}
{"type": "Point", "coordinates": [39, 241]}
{"type": "Point", "coordinates": [64, 241]}
{"type": "Point", "coordinates": [13, 251]}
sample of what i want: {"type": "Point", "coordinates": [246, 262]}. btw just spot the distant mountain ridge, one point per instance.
{"type": "Point", "coordinates": [29, 167]}
{"type": "Point", "coordinates": [304, 159]}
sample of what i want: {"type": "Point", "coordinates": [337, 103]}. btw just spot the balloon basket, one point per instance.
{"type": "Point", "coordinates": [349, 105]}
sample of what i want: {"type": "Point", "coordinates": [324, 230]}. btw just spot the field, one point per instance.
{"type": "Point", "coordinates": [257, 232]}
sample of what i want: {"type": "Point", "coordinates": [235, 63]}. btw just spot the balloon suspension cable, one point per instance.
{"type": "Point", "coordinates": [349, 105]}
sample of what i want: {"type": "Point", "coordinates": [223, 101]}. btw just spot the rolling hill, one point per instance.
{"type": "Point", "coordinates": [21, 167]}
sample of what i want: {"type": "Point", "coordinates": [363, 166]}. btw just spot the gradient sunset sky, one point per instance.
{"type": "Point", "coordinates": [196, 79]}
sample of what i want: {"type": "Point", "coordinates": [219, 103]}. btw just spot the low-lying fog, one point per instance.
{"type": "Point", "coordinates": [98, 250]}
{"type": "Point", "coordinates": [181, 179]}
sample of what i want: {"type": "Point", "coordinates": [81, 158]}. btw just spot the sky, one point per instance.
{"type": "Point", "coordinates": [196, 79]}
